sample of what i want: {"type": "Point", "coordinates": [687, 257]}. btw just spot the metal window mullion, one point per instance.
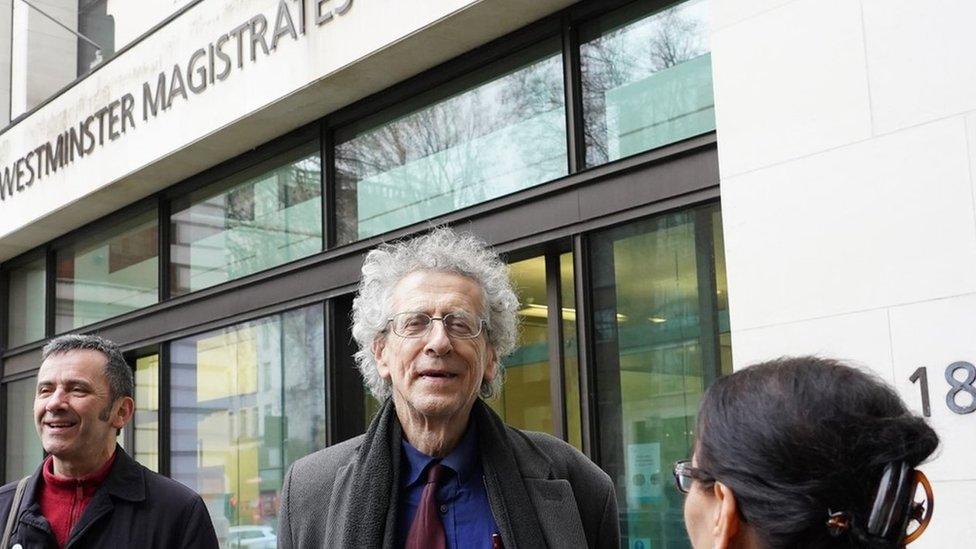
{"type": "Point", "coordinates": [584, 338]}
{"type": "Point", "coordinates": [50, 292]}
{"type": "Point", "coordinates": [3, 433]}
{"type": "Point", "coordinates": [708, 339]}
{"type": "Point", "coordinates": [329, 223]}
{"type": "Point", "coordinates": [163, 255]}
{"type": "Point", "coordinates": [554, 317]}
{"type": "Point", "coordinates": [573, 90]}
{"type": "Point", "coordinates": [282, 415]}
{"type": "Point", "coordinates": [164, 435]}
{"type": "Point", "coordinates": [4, 315]}
{"type": "Point", "coordinates": [331, 400]}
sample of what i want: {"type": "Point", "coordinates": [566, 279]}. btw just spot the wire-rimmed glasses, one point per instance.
{"type": "Point", "coordinates": [459, 325]}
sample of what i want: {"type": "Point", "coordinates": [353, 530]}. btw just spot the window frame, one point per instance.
{"type": "Point", "coordinates": [558, 213]}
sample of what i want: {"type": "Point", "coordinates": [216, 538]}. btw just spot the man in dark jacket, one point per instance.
{"type": "Point", "coordinates": [437, 467]}
{"type": "Point", "coordinates": [89, 492]}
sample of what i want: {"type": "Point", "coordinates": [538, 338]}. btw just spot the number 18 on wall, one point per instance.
{"type": "Point", "coordinates": [961, 396]}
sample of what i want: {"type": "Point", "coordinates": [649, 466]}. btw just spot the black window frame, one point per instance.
{"type": "Point", "coordinates": [555, 215]}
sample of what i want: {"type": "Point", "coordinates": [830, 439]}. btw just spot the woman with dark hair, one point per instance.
{"type": "Point", "coordinates": [805, 452]}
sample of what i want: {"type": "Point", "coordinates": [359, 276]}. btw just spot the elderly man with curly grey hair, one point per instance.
{"type": "Point", "coordinates": [437, 468]}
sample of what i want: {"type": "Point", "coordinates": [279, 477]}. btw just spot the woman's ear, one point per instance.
{"type": "Point", "coordinates": [726, 521]}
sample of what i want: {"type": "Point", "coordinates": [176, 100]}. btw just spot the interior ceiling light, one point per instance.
{"type": "Point", "coordinates": [536, 310]}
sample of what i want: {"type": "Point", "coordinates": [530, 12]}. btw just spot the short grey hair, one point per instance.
{"type": "Point", "coordinates": [441, 250]}
{"type": "Point", "coordinates": [120, 379]}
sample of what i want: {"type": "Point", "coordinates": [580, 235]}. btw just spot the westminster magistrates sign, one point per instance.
{"type": "Point", "coordinates": [258, 36]}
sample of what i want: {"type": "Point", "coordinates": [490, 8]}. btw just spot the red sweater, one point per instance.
{"type": "Point", "coordinates": [63, 500]}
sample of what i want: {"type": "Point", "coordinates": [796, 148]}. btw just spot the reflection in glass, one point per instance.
{"type": "Point", "coordinates": [246, 402]}
{"type": "Point", "coordinates": [26, 303]}
{"type": "Point", "coordinates": [23, 452]}
{"type": "Point", "coordinates": [489, 134]}
{"type": "Point", "coordinates": [574, 428]}
{"type": "Point", "coordinates": [45, 57]}
{"type": "Point", "coordinates": [525, 401]}
{"type": "Point", "coordinates": [108, 274]}
{"type": "Point", "coordinates": [656, 327]}
{"type": "Point", "coordinates": [264, 216]}
{"type": "Point", "coordinates": [146, 420]}
{"type": "Point", "coordinates": [721, 295]}
{"type": "Point", "coordinates": [647, 79]}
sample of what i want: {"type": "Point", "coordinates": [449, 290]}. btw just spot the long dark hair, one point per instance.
{"type": "Point", "coordinates": [798, 438]}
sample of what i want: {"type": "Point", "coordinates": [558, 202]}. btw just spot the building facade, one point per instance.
{"type": "Point", "coordinates": [680, 189]}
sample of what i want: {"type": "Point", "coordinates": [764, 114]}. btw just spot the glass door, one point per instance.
{"type": "Point", "coordinates": [660, 324]}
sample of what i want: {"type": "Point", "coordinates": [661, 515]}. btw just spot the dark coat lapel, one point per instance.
{"type": "Point", "coordinates": [558, 514]}
{"type": "Point", "coordinates": [532, 507]}
{"type": "Point", "coordinates": [367, 494]}
{"type": "Point", "coordinates": [552, 516]}
{"type": "Point", "coordinates": [510, 501]}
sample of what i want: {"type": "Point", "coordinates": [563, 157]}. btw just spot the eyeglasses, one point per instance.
{"type": "Point", "coordinates": [685, 475]}
{"type": "Point", "coordinates": [459, 325]}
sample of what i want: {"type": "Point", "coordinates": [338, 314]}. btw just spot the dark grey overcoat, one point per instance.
{"type": "Point", "coordinates": [573, 498]}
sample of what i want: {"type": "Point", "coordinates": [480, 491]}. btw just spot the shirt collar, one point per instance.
{"type": "Point", "coordinates": [461, 460]}
{"type": "Point", "coordinates": [92, 480]}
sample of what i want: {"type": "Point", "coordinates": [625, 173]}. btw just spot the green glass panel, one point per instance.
{"type": "Point", "coordinates": [722, 295]}
{"type": "Point", "coordinates": [23, 452]}
{"type": "Point", "coordinates": [26, 298]}
{"type": "Point", "coordinates": [261, 217]}
{"type": "Point", "coordinates": [247, 401]}
{"type": "Point", "coordinates": [656, 349]}
{"type": "Point", "coordinates": [491, 133]}
{"type": "Point", "coordinates": [146, 420]}
{"type": "Point", "coordinates": [647, 79]}
{"type": "Point", "coordinates": [525, 401]}
{"type": "Point", "coordinates": [110, 273]}
{"type": "Point", "coordinates": [574, 432]}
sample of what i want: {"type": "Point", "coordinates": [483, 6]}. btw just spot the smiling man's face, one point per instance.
{"type": "Point", "coordinates": [75, 416]}
{"type": "Point", "coordinates": [436, 376]}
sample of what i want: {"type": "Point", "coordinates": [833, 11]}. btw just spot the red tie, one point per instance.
{"type": "Point", "coordinates": [427, 530]}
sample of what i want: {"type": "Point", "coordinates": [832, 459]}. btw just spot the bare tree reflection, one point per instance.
{"type": "Point", "coordinates": [461, 150]}
{"type": "Point", "coordinates": [630, 54]}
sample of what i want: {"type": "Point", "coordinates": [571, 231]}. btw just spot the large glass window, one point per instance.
{"type": "Point", "coordinates": [23, 452]}
{"type": "Point", "coordinates": [647, 79]}
{"type": "Point", "coordinates": [493, 132]}
{"type": "Point", "coordinates": [526, 397]}
{"type": "Point", "coordinates": [264, 216]}
{"type": "Point", "coordinates": [108, 273]}
{"type": "Point", "coordinates": [25, 320]}
{"type": "Point", "coordinates": [525, 400]}
{"type": "Point", "coordinates": [657, 325]}
{"type": "Point", "coordinates": [246, 402]}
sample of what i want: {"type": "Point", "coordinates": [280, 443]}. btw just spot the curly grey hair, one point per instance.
{"type": "Point", "coordinates": [440, 250]}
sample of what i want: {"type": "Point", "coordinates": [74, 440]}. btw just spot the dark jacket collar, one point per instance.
{"type": "Point", "coordinates": [127, 478]}
{"type": "Point", "coordinates": [126, 481]}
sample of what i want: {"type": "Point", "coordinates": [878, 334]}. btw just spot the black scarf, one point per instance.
{"type": "Point", "coordinates": [375, 483]}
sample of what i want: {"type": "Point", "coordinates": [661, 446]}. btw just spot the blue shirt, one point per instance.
{"type": "Point", "coordinates": [462, 497]}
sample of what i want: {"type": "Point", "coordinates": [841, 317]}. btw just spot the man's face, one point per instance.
{"type": "Point", "coordinates": [73, 412]}
{"type": "Point", "coordinates": [436, 376]}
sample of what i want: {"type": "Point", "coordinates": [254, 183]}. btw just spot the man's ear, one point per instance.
{"type": "Point", "coordinates": [726, 521]}
{"type": "Point", "coordinates": [379, 347]}
{"type": "Point", "coordinates": [124, 413]}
